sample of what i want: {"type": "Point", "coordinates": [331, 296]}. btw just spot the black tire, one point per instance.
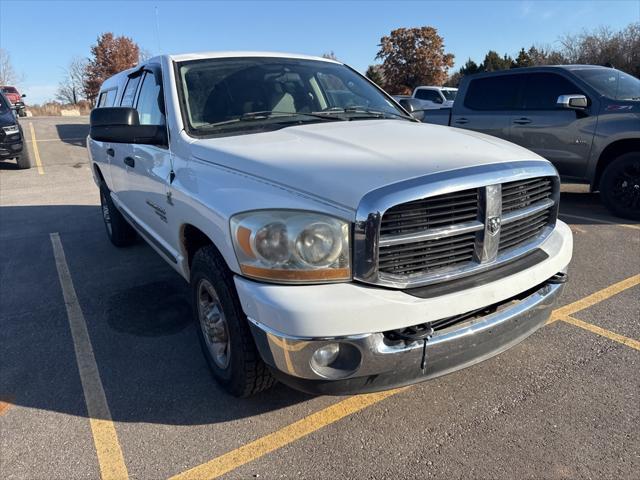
{"type": "Point", "coordinates": [22, 113]}
{"type": "Point", "coordinates": [119, 231]}
{"type": "Point", "coordinates": [245, 373]}
{"type": "Point", "coordinates": [24, 160]}
{"type": "Point", "coordinates": [620, 186]}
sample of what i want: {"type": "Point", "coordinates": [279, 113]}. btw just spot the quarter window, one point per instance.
{"type": "Point", "coordinates": [493, 93]}
{"type": "Point", "coordinates": [541, 91]}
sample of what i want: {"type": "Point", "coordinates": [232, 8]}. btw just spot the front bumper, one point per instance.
{"type": "Point", "coordinates": [376, 362]}
{"type": "Point", "coordinates": [12, 148]}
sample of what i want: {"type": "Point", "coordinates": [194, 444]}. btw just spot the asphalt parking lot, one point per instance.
{"type": "Point", "coordinates": [101, 373]}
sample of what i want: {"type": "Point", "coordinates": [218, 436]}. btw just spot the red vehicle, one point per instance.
{"type": "Point", "coordinates": [12, 94]}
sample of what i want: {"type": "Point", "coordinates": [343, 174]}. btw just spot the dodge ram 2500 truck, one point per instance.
{"type": "Point", "coordinates": [585, 119]}
{"type": "Point", "coordinates": [331, 241]}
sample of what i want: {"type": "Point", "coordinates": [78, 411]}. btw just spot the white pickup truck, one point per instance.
{"type": "Point", "coordinates": [331, 241]}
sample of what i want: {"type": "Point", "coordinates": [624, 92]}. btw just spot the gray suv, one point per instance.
{"type": "Point", "coordinates": [583, 118]}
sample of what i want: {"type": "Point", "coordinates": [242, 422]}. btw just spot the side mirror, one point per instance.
{"type": "Point", "coordinates": [122, 125]}
{"type": "Point", "coordinates": [24, 95]}
{"type": "Point", "coordinates": [438, 100]}
{"type": "Point", "coordinates": [572, 101]}
{"type": "Point", "coordinates": [410, 104]}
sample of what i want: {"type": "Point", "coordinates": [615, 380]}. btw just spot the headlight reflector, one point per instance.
{"type": "Point", "coordinates": [292, 246]}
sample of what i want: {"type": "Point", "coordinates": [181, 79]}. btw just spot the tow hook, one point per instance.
{"type": "Point", "coordinates": [558, 279]}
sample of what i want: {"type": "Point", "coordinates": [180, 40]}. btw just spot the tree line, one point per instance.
{"type": "Point", "coordinates": [416, 56]}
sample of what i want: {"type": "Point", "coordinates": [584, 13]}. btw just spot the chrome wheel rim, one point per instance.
{"type": "Point", "coordinates": [106, 215]}
{"type": "Point", "coordinates": [213, 324]}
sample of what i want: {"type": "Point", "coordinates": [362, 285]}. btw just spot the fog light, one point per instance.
{"type": "Point", "coordinates": [336, 360]}
{"type": "Point", "coordinates": [325, 356]}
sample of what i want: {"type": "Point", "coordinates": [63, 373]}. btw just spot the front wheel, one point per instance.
{"type": "Point", "coordinates": [620, 186]}
{"type": "Point", "coordinates": [24, 160]}
{"type": "Point", "coordinates": [223, 329]}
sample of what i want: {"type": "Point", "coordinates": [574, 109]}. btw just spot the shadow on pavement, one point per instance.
{"type": "Point", "coordinates": [590, 206]}
{"type": "Point", "coordinates": [137, 310]}
{"type": "Point", "coordinates": [73, 133]}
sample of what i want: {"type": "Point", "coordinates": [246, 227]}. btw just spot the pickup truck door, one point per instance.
{"type": "Point", "coordinates": [487, 105]}
{"type": "Point", "coordinates": [144, 189]}
{"type": "Point", "coordinates": [149, 178]}
{"type": "Point", "coordinates": [118, 153]}
{"type": "Point", "coordinates": [562, 135]}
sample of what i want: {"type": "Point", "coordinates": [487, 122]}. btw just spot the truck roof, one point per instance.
{"type": "Point", "coordinates": [541, 68]}
{"type": "Point", "coordinates": [230, 54]}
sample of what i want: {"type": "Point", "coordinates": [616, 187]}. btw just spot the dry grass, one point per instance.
{"type": "Point", "coordinates": [55, 109]}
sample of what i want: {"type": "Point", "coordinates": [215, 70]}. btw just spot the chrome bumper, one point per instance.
{"type": "Point", "coordinates": [376, 363]}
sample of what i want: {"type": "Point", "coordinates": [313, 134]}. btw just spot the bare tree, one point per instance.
{"type": "Point", "coordinates": [71, 89]}
{"type": "Point", "coordinates": [144, 55]}
{"type": "Point", "coordinates": [603, 46]}
{"type": "Point", "coordinates": [330, 55]}
{"type": "Point", "coordinates": [8, 76]}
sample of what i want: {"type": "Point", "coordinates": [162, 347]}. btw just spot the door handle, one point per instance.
{"type": "Point", "coordinates": [522, 121]}
{"type": "Point", "coordinates": [110, 152]}
{"type": "Point", "coordinates": [461, 121]}
{"type": "Point", "coordinates": [130, 162]}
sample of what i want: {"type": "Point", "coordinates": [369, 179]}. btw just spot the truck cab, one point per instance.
{"type": "Point", "coordinates": [435, 97]}
{"type": "Point", "coordinates": [585, 119]}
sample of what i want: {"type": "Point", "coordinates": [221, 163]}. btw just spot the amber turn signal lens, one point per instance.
{"type": "Point", "coordinates": [323, 275]}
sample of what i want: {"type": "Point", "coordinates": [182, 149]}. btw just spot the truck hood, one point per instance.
{"type": "Point", "coordinates": [342, 161]}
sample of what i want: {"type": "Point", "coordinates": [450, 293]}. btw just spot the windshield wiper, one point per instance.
{"type": "Point", "coordinates": [267, 114]}
{"type": "Point", "coordinates": [363, 112]}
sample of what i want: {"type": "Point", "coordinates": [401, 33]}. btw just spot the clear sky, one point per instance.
{"type": "Point", "coordinates": [42, 37]}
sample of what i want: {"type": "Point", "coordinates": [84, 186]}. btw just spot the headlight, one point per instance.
{"type": "Point", "coordinates": [10, 129]}
{"type": "Point", "coordinates": [292, 246]}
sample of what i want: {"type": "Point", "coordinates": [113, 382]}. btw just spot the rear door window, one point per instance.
{"type": "Point", "coordinates": [493, 93]}
{"type": "Point", "coordinates": [430, 95]}
{"type": "Point", "coordinates": [541, 91]}
{"type": "Point", "coordinates": [130, 92]}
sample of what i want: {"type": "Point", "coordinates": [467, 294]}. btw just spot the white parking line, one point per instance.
{"type": "Point", "coordinates": [599, 220]}
{"type": "Point", "coordinates": [110, 458]}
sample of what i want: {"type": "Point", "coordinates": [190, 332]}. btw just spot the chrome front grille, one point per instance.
{"type": "Point", "coordinates": [427, 256]}
{"type": "Point", "coordinates": [428, 213]}
{"type": "Point", "coordinates": [521, 194]}
{"type": "Point", "coordinates": [442, 236]}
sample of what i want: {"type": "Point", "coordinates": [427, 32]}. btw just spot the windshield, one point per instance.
{"type": "Point", "coordinates": [450, 94]}
{"type": "Point", "coordinates": [250, 94]}
{"type": "Point", "coordinates": [9, 90]}
{"type": "Point", "coordinates": [611, 83]}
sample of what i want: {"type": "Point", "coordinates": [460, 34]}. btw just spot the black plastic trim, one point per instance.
{"type": "Point", "coordinates": [510, 268]}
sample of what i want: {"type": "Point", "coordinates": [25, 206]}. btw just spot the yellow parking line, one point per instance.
{"type": "Point", "coordinates": [598, 220]}
{"type": "Point", "coordinates": [258, 448]}
{"type": "Point", "coordinates": [629, 342]}
{"type": "Point", "coordinates": [280, 438]}
{"type": "Point", "coordinates": [36, 152]}
{"type": "Point", "coordinates": [595, 298]}
{"type": "Point", "coordinates": [110, 458]}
